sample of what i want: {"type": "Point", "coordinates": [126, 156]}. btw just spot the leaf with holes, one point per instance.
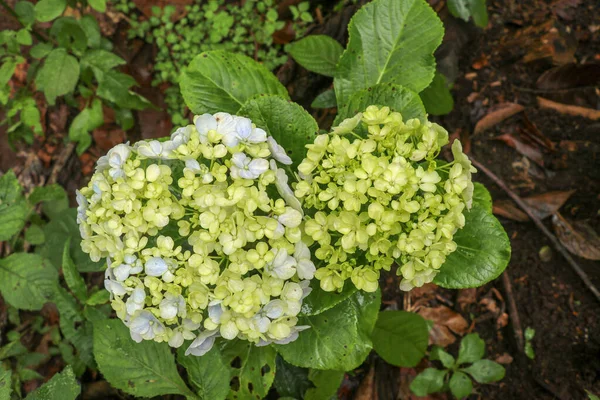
{"type": "Point", "coordinates": [400, 337]}
{"type": "Point", "coordinates": [482, 253]}
{"type": "Point", "coordinates": [218, 81]}
{"type": "Point", "coordinates": [317, 53]}
{"type": "Point", "coordinates": [396, 97]}
{"type": "Point", "coordinates": [339, 338]}
{"type": "Point", "coordinates": [390, 41]}
{"type": "Point", "coordinates": [205, 373]}
{"type": "Point", "coordinates": [288, 123]}
{"type": "Point", "coordinates": [145, 369]}
{"type": "Point", "coordinates": [27, 281]}
{"type": "Point", "coordinates": [252, 368]}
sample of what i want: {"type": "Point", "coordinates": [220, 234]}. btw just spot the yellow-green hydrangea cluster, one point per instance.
{"type": "Point", "coordinates": [202, 235]}
{"type": "Point", "coordinates": [375, 194]}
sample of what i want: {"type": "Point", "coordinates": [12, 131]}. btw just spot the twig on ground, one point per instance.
{"type": "Point", "coordinates": [60, 163]}
{"type": "Point", "coordinates": [584, 277]}
{"type": "Point", "coordinates": [513, 312]}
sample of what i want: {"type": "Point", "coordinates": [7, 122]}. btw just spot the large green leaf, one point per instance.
{"type": "Point", "coordinates": [291, 381]}
{"type": "Point", "coordinates": [472, 348]}
{"type": "Point", "coordinates": [145, 369]}
{"type": "Point", "coordinates": [482, 197]}
{"type": "Point", "coordinates": [338, 338]}
{"type": "Point", "coordinates": [5, 383]}
{"type": "Point", "coordinates": [252, 369]}
{"type": "Point", "coordinates": [206, 373]}
{"type": "Point", "coordinates": [27, 281]}
{"type": "Point", "coordinates": [396, 97]}
{"type": "Point", "coordinates": [62, 386]}
{"type": "Point", "coordinates": [460, 385]}
{"type": "Point", "coordinates": [114, 86]}
{"type": "Point", "coordinates": [59, 75]}
{"type": "Point", "coordinates": [390, 41]}
{"type": "Point", "coordinates": [483, 252]}
{"type": "Point", "coordinates": [431, 380]}
{"type": "Point", "coordinates": [46, 193]}
{"type": "Point", "coordinates": [13, 208]}
{"type": "Point", "coordinates": [220, 81]}
{"type": "Point", "coordinates": [400, 337]}
{"type": "Point", "coordinates": [326, 384]}
{"type": "Point", "coordinates": [87, 120]}
{"type": "Point", "coordinates": [289, 124]}
{"type": "Point", "coordinates": [437, 97]}
{"type": "Point", "coordinates": [71, 275]}
{"type": "Point", "coordinates": [61, 227]}
{"type": "Point", "coordinates": [317, 53]}
{"type": "Point", "coordinates": [101, 59]}
{"type": "Point", "coordinates": [485, 371]}
{"type": "Point", "coordinates": [319, 300]}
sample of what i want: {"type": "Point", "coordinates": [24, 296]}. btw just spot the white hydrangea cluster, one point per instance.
{"type": "Point", "coordinates": [382, 197]}
{"type": "Point", "coordinates": [201, 234]}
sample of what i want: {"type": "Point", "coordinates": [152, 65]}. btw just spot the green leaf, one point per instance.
{"type": "Point", "coordinates": [485, 371]}
{"type": "Point", "coordinates": [101, 59]}
{"type": "Point", "coordinates": [27, 281]}
{"type": "Point", "coordinates": [460, 385]}
{"type": "Point", "coordinates": [326, 384]}
{"type": "Point", "coordinates": [98, 5]}
{"type": "Point", "coordinates": [397, 98]}
{"type": "Point", "coordinates": [87, 120]}
{"type": "Point", "coordinates": [59, 75]}
{"type": "Point", "coordinates": [400, 338]}
{"type": "Point", "coordinates": [437, 97]}
{"type": "Point", "coordinates": [482, 197]}
{"type": "Point", "coordinates": [317, 53]}
{"type": "Point", "coordinates": [206, 374]}
{"type": "Point", "coordinates": [69, 34]}
{"type": "Point", "coordinates": [429, 381]}
{"type": "Point", "coordinates": [438, 353]}
{"type": "Point", "coordinates": [57, 231]}
{"type": "Point", "coordinates": [291, 381]}
{"type": "Point", "coordinates": [325, 100]}
{"type": "Point", "coordinates": [35, 235]}
{"type": "Point", "coordinates": [338, 338]}
{"type": "Point", "coordinates": [72, 277]}
{"type": "Point", "coordinates": [46, 193]}
{"type": "Point", "coordinates": [47, 10]}
{"type": "Point", "coordinates": [5, 383]}
{"type": "Point", "coordinates": [24, 37]}
{"type": "Point", "coordinates": [145, 369]}
{"type": "Point", "coordinates": [7, 70]}
{"type": "Point", "coordinates": [288, 123]}
{"type": "Point", "coordinates": [390, 41]}
{"type": "Point", "coordinates": [62, 386]}
{"type": "Point", "coordinates": [13, 209]}
{"type": "Point", "coordinates": [40, 50]}
{"type": "Point", "coordinates": [472, 348]}
{"type": "Point", "coordinates": [529, 334]}
{"type": "Point", "coordinates": [100, 297]}
{"type": "Point", "coordinates": [31, 118]}
{"type": "Point", "coordinates": [92, 30]}
{"type": "Point", "coordinates": [592, 396]}
{"type": "Point", "coordinates": [470, 8]}
{"type": "Point", "coordinates": [26, 12]}
{"type": "Point", "coordinates": [251, 368]}
{"type": "Point", "coordinates": [483, 252]}
{"type": "Point", "coordinates": [319, 300]}
{"type": "Point", "coordinates": [220, 81]}
{"type": "Point", "coordinates": [114, 86]}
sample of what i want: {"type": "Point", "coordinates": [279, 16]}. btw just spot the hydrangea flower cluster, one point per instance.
{"type": "Point", "coordinates": [376, 194]}
{"type": "Point", "coordinates": [202, 235]}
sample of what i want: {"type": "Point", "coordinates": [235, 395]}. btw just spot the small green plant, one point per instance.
{"type": "Point", "coordinates": [67, 59]}
{"type": "Point", "coordinates": [214, 25]}
{"type": "Point", "coordinates": [455, 374]}
{"type": "Point", "coordinates": [529, 334]}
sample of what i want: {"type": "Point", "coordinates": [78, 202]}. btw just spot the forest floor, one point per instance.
{"type": "Point", "coordinates": [530, 50]}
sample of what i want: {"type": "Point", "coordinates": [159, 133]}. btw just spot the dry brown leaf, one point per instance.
{"type": "Point", "coordinates": [367, 389]}
{"type": "Point", "coordinates": [504, 359]}
{"type": "Point", "coordinates": [445, 321]}
{"type": "Point", "coordinates": [578, 237]}
{"type": "Point", "coordinates": [585, 112]}
{"type": "Point", "coordinates": [145, 7]}
{"type": "Point", "coordinates": [496, 115]}
{"type": "Point", "coordinates": [531, 151]}
{"type": "Point", "coordinates": [542, 205]}
{"type": "Point", "coordinates": [466, 297]}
